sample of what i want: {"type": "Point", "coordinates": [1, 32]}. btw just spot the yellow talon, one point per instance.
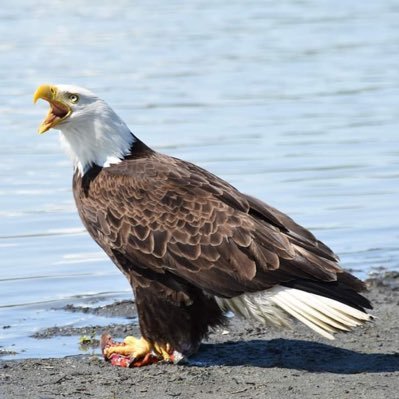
{"type": "Point", "coordinates": [164, 352]}
{"type": "Point", "coordinates": [134, 352]}
{"type": "Point", "coordinates": [131, 346]}
{"type": "Point", "coordinates": [140, 346]}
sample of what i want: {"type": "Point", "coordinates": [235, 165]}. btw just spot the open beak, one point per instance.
{"type": "Point", "coordinates": [58, 111]}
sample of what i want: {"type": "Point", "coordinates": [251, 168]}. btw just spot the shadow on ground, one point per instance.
{"type": "Point", "coordinates": [295, 354]}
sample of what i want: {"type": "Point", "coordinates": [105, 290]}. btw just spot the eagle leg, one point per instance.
{"type": "Point", "coordinates": [134, 352]}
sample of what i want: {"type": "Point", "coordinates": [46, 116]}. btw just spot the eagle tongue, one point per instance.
{"type": "Point", "coordinates": [58, 111]}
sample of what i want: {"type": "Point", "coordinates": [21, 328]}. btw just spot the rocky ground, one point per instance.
{"type": "Point", "coordinates": [242, 361]}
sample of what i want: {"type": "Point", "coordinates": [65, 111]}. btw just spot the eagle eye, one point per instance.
{"type": "Point", "coordinates": [74, 98]}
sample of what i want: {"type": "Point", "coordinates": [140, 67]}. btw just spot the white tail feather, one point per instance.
{"type": "Point", "coordinates": [323, 315]}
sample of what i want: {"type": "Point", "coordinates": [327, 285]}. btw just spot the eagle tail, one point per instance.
{"type": "Point", "coordinates": [323, 315]}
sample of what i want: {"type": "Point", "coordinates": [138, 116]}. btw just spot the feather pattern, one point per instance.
{"type": "Point", "coordinates": [164, 220]}
{"type": "Point", "coordinates": [323, 315]}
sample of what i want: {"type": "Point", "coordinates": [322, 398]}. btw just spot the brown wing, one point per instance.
{"type": "Point", "coordinates": [168, 219]}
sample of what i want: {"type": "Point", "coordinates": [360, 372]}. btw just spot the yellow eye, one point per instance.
{"type": "Point", "coordinates": [74, 98]}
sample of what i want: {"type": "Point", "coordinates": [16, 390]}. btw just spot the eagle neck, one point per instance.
{"type": "Point", "coordinates": [100, 144]}
{"type": "Point", "coordinates": [139, 150]}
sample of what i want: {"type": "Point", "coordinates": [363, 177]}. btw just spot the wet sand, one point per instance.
{"type": "Point", "coordinates": [241, 361]}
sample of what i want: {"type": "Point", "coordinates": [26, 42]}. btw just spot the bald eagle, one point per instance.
{"type": "Point", "coordinates": [191, 245]}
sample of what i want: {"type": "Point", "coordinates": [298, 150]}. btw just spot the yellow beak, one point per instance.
{"type": "Point", "coordinates": [58, 109]}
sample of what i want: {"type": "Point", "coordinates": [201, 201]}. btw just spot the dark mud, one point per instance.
{"type": "Point", "coordinates": [242, 361]}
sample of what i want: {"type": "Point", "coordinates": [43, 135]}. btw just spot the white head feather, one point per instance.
{"type": "Point", "coordinates": [93, 133]}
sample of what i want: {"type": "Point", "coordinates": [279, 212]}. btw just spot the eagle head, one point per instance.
{"type": "Point", "coordinates": [91, 132]}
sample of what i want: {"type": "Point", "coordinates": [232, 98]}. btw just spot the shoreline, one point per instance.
{"type": "Point", "coordinates": [241, 361]}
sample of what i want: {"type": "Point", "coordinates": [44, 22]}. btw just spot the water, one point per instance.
{"type": "Point", "coordinates": [294, 102]}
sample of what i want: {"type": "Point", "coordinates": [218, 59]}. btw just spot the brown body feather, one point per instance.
{"type": "Point", "coordinates": [182, 235]}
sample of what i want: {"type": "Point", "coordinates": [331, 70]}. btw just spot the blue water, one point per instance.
{"type": "Point", "coordinates": [295, 102]}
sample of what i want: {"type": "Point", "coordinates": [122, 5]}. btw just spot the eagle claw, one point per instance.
{"type": "Point", "coordinates": [132, 352]}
